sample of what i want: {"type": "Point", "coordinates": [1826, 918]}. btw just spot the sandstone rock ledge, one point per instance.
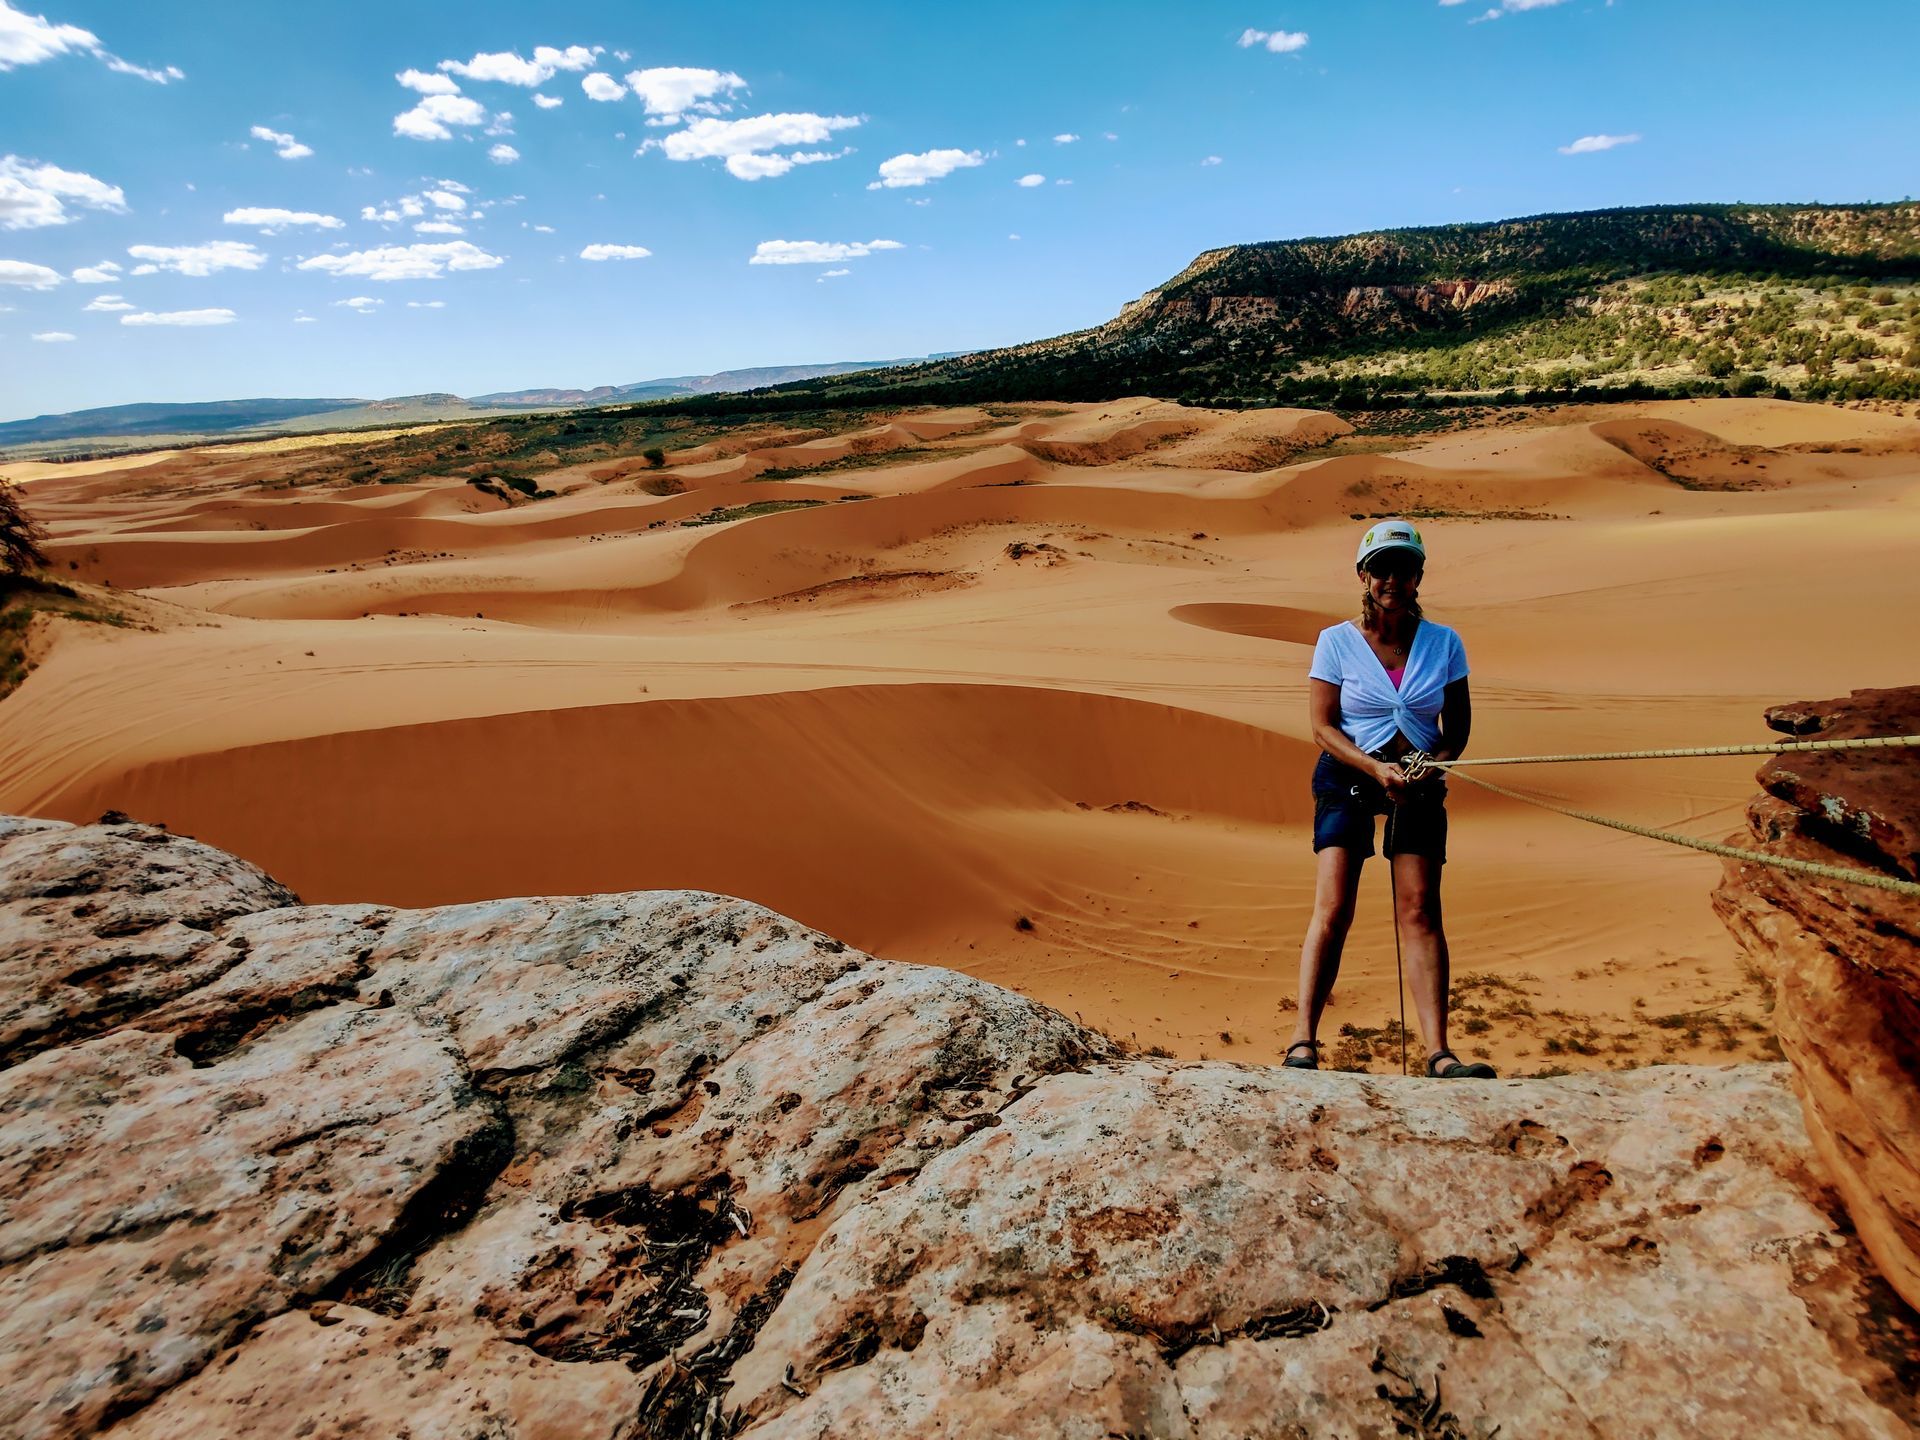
{"type": "Point", "coordinates": [668, 1164]}
{"type": "Point", "coordinates": [1845, 960]}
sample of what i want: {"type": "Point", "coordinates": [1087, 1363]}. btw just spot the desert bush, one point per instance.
{"type": "Point", "coordinates": [20, 534]}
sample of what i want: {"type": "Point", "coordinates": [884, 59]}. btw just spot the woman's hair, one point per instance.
{"type": "Point", "coordinates": [1370, 612]}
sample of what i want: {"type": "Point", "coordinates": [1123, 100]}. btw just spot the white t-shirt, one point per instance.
{"type": "Point", "coordinates": [1370, 708]}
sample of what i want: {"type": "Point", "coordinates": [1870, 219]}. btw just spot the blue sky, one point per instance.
{"type": "Point", "coordinates": [145, 148]}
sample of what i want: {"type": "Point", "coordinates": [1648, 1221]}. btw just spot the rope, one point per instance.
{"type": "Point", "coordinates": [1399, 975]}
{"type": "Point", "coordinates": [1731, 852]}
{"type": "Point", "coordinates": [1783, 747]}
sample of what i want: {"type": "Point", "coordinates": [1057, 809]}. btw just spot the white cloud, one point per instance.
{"type": "Point", "coordinates": [430, 118]}
{"type": "Point", "coordinates": [285, 146]}
{"type": "Point", "coordinates": [671, 90]}
{"type": "Point", "coordinates": [305, 320]}
{"type": "Point", "coordinates": [271, 221]}
{"type": "Point", "coordinates": [426, 304]}
{"type": "Point", "coordinates": [508, 68]}
{"type": "Point", "coordinates": [1108, 135]}
{"type": "Point", "coordinates": [502, 123]}
{"type": "Point", "coordinates": [364, 304]}
{"type": "Point", "coordinates": [180, 317]}
{"type": "Point", "coordinates": [427, 83]}
{"type": "Point", "coordinates": [503, 154]}
{"type": "Point", "coordinates": [548, 102]}
{"type": "Point", "coordinates": [22, 272]}
{"type": "Point", "coordinates": [105, 273]}
{"type": "Point", "coordinates": [32, 195]}
{"type": "Point", "coordinates": [110, 304]}
{"type": "Point", "coordinates": [446, 198]}
{"type": "Point", "coordinates": [817, 252]}
{"type": "Point", "coordinates": [28, 39]}
{"type": "Point", "coordinates": [832, 274]}
{"type": "Point", "coordinates": [904, 170]}
{"type": "Point", "coordinates": [1280, 42]}
{"type": "Point", "coordinates": [1212, 160]}
{"type": "Point", "coordinates": [1508, 7]}
{"type": "Point", "coordinates": [1013, 237]}
{"type": "Point", "coordinates": [405, 262]}
{"type": "Point", "coordinates": [765, 167]}
{"type": "Point", "coordinates": [599, 86]}
{"type": "Point", "coordinates": [743, 143]}
{"type": "Point", "coordinates": [1029, 181]}
{"type": "Point", "coordinates": [159, 76]}
{"type": "Point", "coordinates": [197, 260]}
{"type": "Point", "coordinates": [615, 252]}
{"type": "Point", "coordinates": [1066, 139]}
{"type": "Point", "coordinates": [53, 337]}
{"type": "Point", "coordinates": [1588, 144]}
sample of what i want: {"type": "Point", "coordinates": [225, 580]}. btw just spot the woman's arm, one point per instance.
{"type": "Point", "coordinates": [1456, 722]}
{"type": "Point", "coordinates": [1323, 711]}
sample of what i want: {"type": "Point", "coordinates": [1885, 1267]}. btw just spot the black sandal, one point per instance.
{"type": "Point", "coordinates": [1459, 1069]}
{"type": "Point", "coordinates": [1310, 1062]}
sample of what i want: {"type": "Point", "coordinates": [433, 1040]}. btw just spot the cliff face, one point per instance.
{"type": "Point", "coordinates": [1440, 295]}
{"type": "Point", "coordinates": [1846, 960]}
{"type": "Point", "coordinates": [667, 1164]}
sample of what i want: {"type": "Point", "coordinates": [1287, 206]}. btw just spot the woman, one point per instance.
{"type": "Point", "coordinates": [1385, 685]}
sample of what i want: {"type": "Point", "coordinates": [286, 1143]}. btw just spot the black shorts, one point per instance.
{"type": "Point", "coordinates": [1345, 802]}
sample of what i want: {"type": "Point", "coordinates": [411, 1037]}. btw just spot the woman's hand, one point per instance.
{"type": "Point", "coordinates": [1392, 779]}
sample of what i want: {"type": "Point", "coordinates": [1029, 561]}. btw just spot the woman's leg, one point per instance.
{"type": "Point", "coordinates": [1336, 879]}
{"type": "Point", "coordinates": [1423, 942]}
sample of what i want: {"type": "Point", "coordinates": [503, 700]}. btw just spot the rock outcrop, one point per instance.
{"type": "Point", "coordinates": [667, 1164]}
{"type": "Point", "coordinates": [1374, 300]}
{"type": "Point", "coordinates": [1845, 960]}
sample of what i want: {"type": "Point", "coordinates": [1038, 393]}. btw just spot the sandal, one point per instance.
{"type": "Point", "coordinates": [1459, 1069]}
{"type": "Point", "coordinates": [1310, 1061]}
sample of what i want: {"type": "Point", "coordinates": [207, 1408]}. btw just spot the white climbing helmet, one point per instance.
{"type": "Point", "coordinates": [1390, 535]}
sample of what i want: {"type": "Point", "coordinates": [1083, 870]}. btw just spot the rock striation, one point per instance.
{"type": "Point", "coordinates": [1845, 960]}
{"type": "Point", "coordinates": [668, 1164]}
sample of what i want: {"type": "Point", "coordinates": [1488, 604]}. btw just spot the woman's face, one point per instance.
{"type": "Point", "coordinates": [1392, 578]}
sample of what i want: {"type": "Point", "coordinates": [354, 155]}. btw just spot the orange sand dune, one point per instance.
{"type": "Point", "coordinates": [1263, 622]}
{"type": "Point", "coordinates": [1054, 671]}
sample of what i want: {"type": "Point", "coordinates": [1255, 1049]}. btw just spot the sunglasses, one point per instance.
{"type": "Point", "coordinates": [1403, 564]}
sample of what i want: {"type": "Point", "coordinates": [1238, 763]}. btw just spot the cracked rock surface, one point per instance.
{"type": "Point", "coordinates": [668, 1164]}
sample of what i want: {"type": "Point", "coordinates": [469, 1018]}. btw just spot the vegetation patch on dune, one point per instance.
{"type": "Point", "coordinates": [519, 452]}
{"type": "Point", "coordinates": [870, 460]}
{"type": "Point", "coordinates": [23, 597]}
{"type": "Point", "coordinates": [721, 515]}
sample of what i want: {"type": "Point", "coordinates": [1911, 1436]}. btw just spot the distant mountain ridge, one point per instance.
{"type": "Point", "coordinates": [1820, 300]}
{"type": "Point", "coordinates": [725, 381]}
{"type": "Point", "coordinates": [226, 417]}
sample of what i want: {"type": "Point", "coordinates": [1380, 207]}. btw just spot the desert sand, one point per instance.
{"type": "Point", "coordinates": [1029, 703]}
